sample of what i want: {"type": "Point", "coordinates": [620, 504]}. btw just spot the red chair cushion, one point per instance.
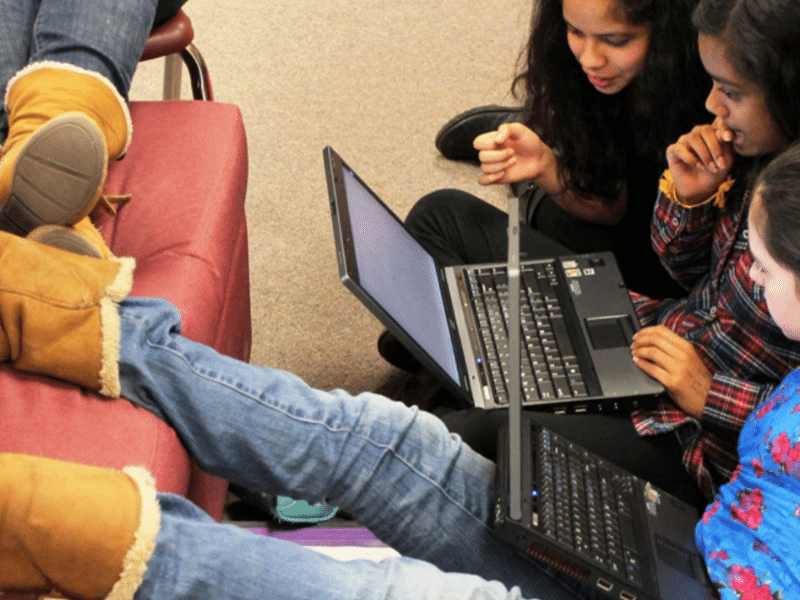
{"type": "Point", "coordinates": [185, 225]}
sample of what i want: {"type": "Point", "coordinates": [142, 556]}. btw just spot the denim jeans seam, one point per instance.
{"type": "Point", "coordinates": [36, 46]}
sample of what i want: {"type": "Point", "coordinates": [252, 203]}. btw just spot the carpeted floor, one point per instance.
{"type": "Point", "coordinates": [375, 80]}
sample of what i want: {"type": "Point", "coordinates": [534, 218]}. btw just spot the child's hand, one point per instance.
{"type": "Point", "coordinates": [673, 361]}
{"type": "Point", "coordinates": [513, 153]}
{"type": "Point", "coordinates": [700, 161]}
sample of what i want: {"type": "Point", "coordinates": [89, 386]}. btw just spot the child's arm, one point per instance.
{"type": "Point", "coordinates": [689, 194]}
{"type": "Point", "coordinates": [682, 238]}
{"type": "Point", "coordinates": [673, 361]}
{"type": "Point", "coordinates": [749, 535]}
{"type": "Point", "coordinates": [719, 401]}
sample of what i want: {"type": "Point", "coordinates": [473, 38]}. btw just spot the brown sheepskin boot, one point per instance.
{"type": "Point", "coordinates": [83, 532]}
{"type": "Point", "coordinates": [65, 125]}
{"type": "Point", "coordinates": [58, 312]}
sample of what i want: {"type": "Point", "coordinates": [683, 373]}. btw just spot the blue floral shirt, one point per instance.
{"type": "Point", "coordinates": [750, 537]}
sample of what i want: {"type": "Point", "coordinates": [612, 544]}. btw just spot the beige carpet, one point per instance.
{"type": "Point", "coordinates": [373, 78]}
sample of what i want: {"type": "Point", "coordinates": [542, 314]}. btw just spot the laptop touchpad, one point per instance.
{"type": "Point", "coordinates": [688, 563]}
{"type": "Point", "coordinates": [610, 332]}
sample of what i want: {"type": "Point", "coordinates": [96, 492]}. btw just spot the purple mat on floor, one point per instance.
{"type": "Point", "coordinates": [325, 536]}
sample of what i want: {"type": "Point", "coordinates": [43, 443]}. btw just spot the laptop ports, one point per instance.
{"type": "Point", "coordinates": [626, 596]}
{"type": "Point", "coordinates": [604, 585]}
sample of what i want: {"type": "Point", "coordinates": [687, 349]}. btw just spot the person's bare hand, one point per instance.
{"type": "Point", "coordinates": [673, 361]}
{"type": "Point", "coordinates": [512, 153]}
{"type": "Point", "coordinates": [700, 161]}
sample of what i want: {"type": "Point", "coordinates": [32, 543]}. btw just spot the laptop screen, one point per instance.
{"type": "Point", "coordinates": [398, 273]}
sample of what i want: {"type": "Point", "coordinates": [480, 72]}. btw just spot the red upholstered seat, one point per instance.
{"type": "Point", "coordinates": [185, 225]}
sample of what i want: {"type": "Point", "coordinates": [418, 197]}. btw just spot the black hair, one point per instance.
{"type": "Point", "coordinates": [593, 133]}
{"type": "Point", "coordinates": [762, 40]}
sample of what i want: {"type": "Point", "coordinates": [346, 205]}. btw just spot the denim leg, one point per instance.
{"type": "Point", "coordinates": [196, 557]}
{"type": "Point", "coordinates": [395, 469]}
{"type": "Point", "coordinates": [105, 36]}
{"type": "Point", "coordinates": [16, 28]}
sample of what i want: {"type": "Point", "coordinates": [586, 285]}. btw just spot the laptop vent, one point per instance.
{"type": "Point", "coordinates": [552, 558]}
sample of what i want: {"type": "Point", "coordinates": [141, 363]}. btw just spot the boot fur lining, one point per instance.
{"type": "Point", "coordinates": [50, 64]}
{"type": "Point", "coordinates": [135, 563]}
{"type": "Point", "coordinates": [114, 293]}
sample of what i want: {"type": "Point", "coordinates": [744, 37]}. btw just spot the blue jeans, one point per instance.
{"type": "Point", "coordinates": [395, 469]}
{"type": "Point", "coordinates": [104, 36]}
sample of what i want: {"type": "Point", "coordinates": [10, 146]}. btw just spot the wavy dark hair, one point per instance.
{"type": "Point", "coordinates": [592, 132]}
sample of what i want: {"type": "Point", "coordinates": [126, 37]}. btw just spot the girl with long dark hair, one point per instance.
{"type": "Point", "coordinates": [607, 85]}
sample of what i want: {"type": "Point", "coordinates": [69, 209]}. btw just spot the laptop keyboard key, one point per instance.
{"type": "Point", "coordinates": [561, 387]}
{"type": "Point", "coordinates": [582, 504]}
{"type": "Point", "coordinates": [547, 354]}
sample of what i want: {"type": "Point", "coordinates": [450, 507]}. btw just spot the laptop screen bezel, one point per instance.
{"type": "Point", "coordinates": [349, 275]}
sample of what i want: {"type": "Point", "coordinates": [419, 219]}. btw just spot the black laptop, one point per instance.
{"type": "Point", "coordinates": [574, 511]}
{"type": "Point", "coordinates": [594, 522]}
{"type": "Point", "coordinates": [571, 509]}
{"type": "Point", "coordinates": [576, 315]}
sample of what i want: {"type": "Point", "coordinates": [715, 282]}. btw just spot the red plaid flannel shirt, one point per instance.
{"type": "Point", "coordinates": [725, 316]}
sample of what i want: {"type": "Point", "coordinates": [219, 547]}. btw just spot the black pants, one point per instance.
{"type": "Point", "coordinates": [457, 228]}
{"type": "Point", "coordinates": [656, 458]}
{"type": "Point", "coordinates": [167, 8]}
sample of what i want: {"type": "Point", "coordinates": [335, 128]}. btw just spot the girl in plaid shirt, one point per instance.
{"type": "Point", "coordinates": [717, 351]}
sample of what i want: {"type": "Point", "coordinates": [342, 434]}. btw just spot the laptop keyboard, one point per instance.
{"type": "Point", "coordinates": [585, 503]}
{"type": "Point", "coordinates": [549, 367]}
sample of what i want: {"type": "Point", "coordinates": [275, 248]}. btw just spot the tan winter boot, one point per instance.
{"type": "Point", "coordinates": [84, 532]}
{"type": "Point", "coordinates": [82, 238]}
{"type": "Point", "coordinates": [58, 312]}
{"type": "Point", "coordinates": [65, 125]}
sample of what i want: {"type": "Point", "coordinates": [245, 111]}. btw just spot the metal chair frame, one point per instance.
{"type": "Point", "coordinates": [173, 41]}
